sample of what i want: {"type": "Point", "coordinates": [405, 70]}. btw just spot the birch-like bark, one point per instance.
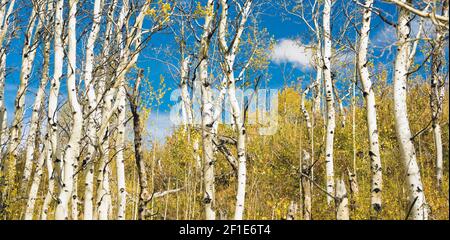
{"type": "Point", "coordinates": [229, 52]}
{"type": "Point", "coordinates": [92, 102]}
{"type": "Point", "coordinates": [51, 183]}
{"type": "Point", "coordinates": [32, 197]}
{"type": "Point", "coordinates": [187, 106]}
{"type": "Point", "coordinates": [5, 13]}
{"type": "Point", "coordinates": [292, 210]}
{"type": "Point", "coordinates": [3, 117]}
{"type": "Point", "coordinates": [30, 142]}
{"type": "Point", "coordinates": [72, 150]}
{"type": "Point", "coordinates": [438, 92]}
{"type": "Point", "coordinates": [35, 120]}
{"type": "Point", "coordinates": [28, 56]}
{"type": "Point", "coordinates": [369, 96]}
{"type": "Point", "coordinates": [342, 212]}
{"type": "Point", "coordinates": [319, 72]}
{"type": "Point", "coordinates": [120, 162]}
{"type": "Point", "coordinates": [306, 186]}
{"type": "Point", "coordinates": [52, 117]}
{"type": "Point", "coordinates": [103, 169]}
{"type": "Point", "coordinates": [418, 209]}
{"type": "Point", "coordinates": [331, 124]}
{"type": "Point", "coordinates": [207, 115]}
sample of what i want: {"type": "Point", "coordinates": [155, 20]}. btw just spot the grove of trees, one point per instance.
{"type": "Point", "coordinates": [362, 133]}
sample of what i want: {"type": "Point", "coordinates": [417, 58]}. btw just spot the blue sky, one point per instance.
{"type": "Point", "coordinates": [284, 31]}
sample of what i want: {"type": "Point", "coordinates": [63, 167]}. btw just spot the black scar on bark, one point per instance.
{"type": "Point", "coordinates": [376, 207]}
{"type": "Point", "coordinates": [206, 200]}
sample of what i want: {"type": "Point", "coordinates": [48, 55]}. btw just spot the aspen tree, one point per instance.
{"type": "Point", "coordinates": [72, 151]}
{"type": "Point", "coordinates": [138, 152]}
{"type": "Point", "coordinates": [306, 186]}
{"type": "Point", "coordinates": [229, 52]}
{"type": "Point", "coordinates": [120, 162]}
{"type": "Point", "coordinates": [52, 115]}
{"type": "Point", "coordinates": [438, 91]}
{"type": "Point", "coordinates": [418, 208]}
{"type": "Point", "coordinates": [40, 164]}
{"type": "Point", "coordinates": [103, 189]}
{"type": "Point", "coordinates": [292, 210]}
{"type": "Point", "coordinates": [92, 111]}
{"type": "Point", "coordinates": [5, 13]}
{"type": "Point", "coordinates": [39, 98]}
{"type": "Point", "coordinates": [330, 120]}
{"type": "Point", "coordinates": [184, 80]}
{"type": "Point", "coordinates": [369, 95]}
{"type": "Point", "coordinates": [207, 114]}
{"type": "Point", "coordinates": [306, 163]}
{"type": "Point", "coordinates": [28, 55]}
{"type": "Point", "coordinates": [342, 212]}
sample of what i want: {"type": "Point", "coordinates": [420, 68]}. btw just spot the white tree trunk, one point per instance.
{"type": "Point", "coordinates": [3, 117]}
{"type": "Point", "coordinates": [331, 124]}
{"type": "Point", "coordinates": [40, 164]}
{"type": "Point", "coordinates": [292, 211]}
{"type": "Point", "coordinates": [32, 197]}
{"type": "Point", "coordinates": [418, 206]}
{"type": "Point", "coordinates": [92, 110]}
{"type": "Point", "coordinates": [52, 124]}
{"type": "Point", "coordinates": [369, 95]}
{"type": "Point", "coordinates": [438, 93]}
{"type": "Point", "coordinates": [103, 169]}
{"type": "Point", "coordinates": [30, 142]}
{"type": "Point", "coordinates": [72, 150]}
{"type": "Point", "coordinates": [187, 107]}
{"type": "Point", "coordinates": [120, 162]}
{"type": "Point", "coordinates": [207, 117]}
{"type": "Point", "coordinates": [51, 184]}
{"type": "Point", "coordinates": [4, 22]}
{"type": "Point", "coordinates": [28, 55]}
{"type": "Point", "coordinates": [342, 212]}
{"type": "Point", "coordinates": [306, 186]}
{"type": "Point", "coordinates": [229, 58]}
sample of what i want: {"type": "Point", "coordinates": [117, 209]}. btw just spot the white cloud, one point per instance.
{"type": "Point", "coordinates": [385, 37]}
{"type": "Point", "coordinates": [160, 126]}
{"type": "Point", "coordinates": [291, 51]}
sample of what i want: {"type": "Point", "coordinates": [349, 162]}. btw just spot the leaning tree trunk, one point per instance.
{"type": "Point", "coordinates": [5, 12]}
{"type": "Point", "coordinates": [330, 102]}
{"type": "Point", "coordinates": [35, 120]}
{"type": "Point", "coordinates": [418, 209]}
{"type": "Point", "coordinates": [369, 95]}
{"type": "Point", "coordinates": [30, 142]}
{"type": "Point", "coordinates": [72, 150]}
{"type": "Point", "coordinates": [28, 55]}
